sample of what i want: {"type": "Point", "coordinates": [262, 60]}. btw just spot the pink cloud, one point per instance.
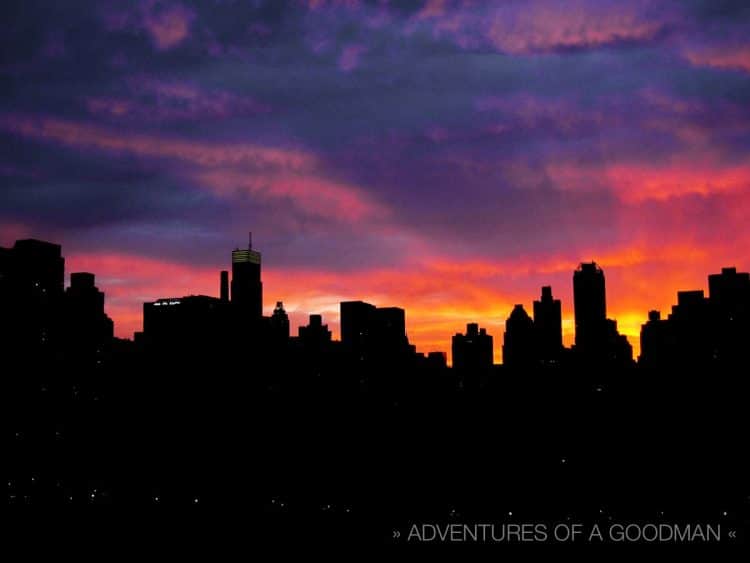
{"type": "Point", "coordinates": [651, 110]}
{"type": "Point", "coordinates": [729, 57]}
{"type": "Point", "coordinates": [170, 100]}
{"type": "Point", "coordinates": [680, 176]}
{"type": "Point", "coordinates": [548, 25]}
{"type": "Point", "coordinates": [536, 26]}
{"type": "Point", "coordinates": [167, 23]}
{"type": "Point", "coordinates": [530, 111]}
{"type": "Point", "coordinates": [113, 107]}
{"type": "Point", "coordinates": [349, 58]}
{"type": "Point", "coordinates": [318, 196]}
{"type": "Point", "coordinates": [226, 169]}
{"type": "Point", "coordinates": [431, 9]}
{"type": "Point", "coordinates": [84, 135]}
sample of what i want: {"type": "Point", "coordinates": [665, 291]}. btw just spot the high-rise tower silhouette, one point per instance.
{"type": "Point", "coordinates": [224, 285]}
{"type": "Point", "coordinates": [597, 339]}
{"type": "Point", "coordinates": [279, 322]}
{"type": "Point", "coordinates": [88, 329]}
{"type": "Point", "coordinates": [729, 293]}
{"type": "Point", "coordinates": [357, 322]}
{"type": "Point", "coordinates": [247, 288]}
{"type": "Point", "coordinates": [373, 333]}
{"type": "Point", "coordinates": [590, 305]}
{"type": "Point", "coordinates": [31, 292]}
{"type": "Point", "coordinates": [548, 327]}
{"type": "Point", "coordinates": [519, 340]}
{"type": "Point", "coordinates": [473, 350]}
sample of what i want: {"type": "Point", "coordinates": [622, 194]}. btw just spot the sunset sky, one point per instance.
{"type": "Point", "coordinates": [449, 157]}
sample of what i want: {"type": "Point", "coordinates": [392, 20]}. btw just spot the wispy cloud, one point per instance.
{"type": "Point", "coordinates": [152, 99]}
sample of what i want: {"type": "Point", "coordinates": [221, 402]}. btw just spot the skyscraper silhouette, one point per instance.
{"type": "Point", "coordinates": [357, 323]}
{"type": "Point", "coordinates": [548, 327]}
{"type": "Point", "coordinates": [472, 351]}
{"type": "Point", "coordinates": [31, 293]}
{"type": "Point", "coordinates": [390, 330]}
{"type": "Point", "coordinates": [702, 330]}
{"type": "Point", "coordinates": [692, 328]}
{"type": "Point", "coordinates": [519, 342]}
{"type": "Point", "coordinates": [729, 297]}
{"type": "Point", "coordinates": [590, 306]}
{"type": "Point", "coordinates": [247, 287]}
{"type": "Point", "coordinates": [224, 285]}
{"type": "Point", "coordinates": [656, 341]}
{"type": "Point", "coordinates": [88, 330]}
{"type": "Point", "coordinates": [279, 322]}
{"type": "Point", "coordinates": [370, 333]}
{"type": "Point", "coordinates": [315, 335]}
{"type": "Point", "coordinates": [597, 339]}
{"type": "Point", "coordinates": [193, 333]}
{"type": "Point", "coordinates": [729, 293]}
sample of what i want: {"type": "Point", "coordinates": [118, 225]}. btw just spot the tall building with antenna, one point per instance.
{"type": "Point", "coordinates": [247, 288]}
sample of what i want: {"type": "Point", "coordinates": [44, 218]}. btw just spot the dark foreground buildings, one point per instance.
{"type": "Point", "coordinates": [373, 334]}
{"type": "Point", "coordinates": [473, 350]}
{"type": "Point", "coordinates": [548, 327]}
{"type": "Point", "coordinates": [217, 405]}
{"type": "Point", "coordinates": [537, 343]}
{"type": "Point", "coordinates": [41, 324]}
{"type": "Point", "coordinates": [534, 343]}
{"type": "Point", "coordinates": [473, 357]}
{"type": "Point", "coordinates": [190, 326]}
{"type": "Point", "coordinates": [520, 347]}
{"type": "Point", "coordinates": [701, 331]}
{"type": "Point", "coordinates": [217, 330]}
{"type": "Point", "coordinates": [31, 296]}
{"type": "Point", "coordinates": [597, 340]}
{"type": "Point", "coordinates": [88, 331]}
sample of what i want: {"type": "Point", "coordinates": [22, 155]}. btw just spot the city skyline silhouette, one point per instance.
{"type": "Point", "coordinates": [365, 265]}
{"type": "Point", "coordinates": [245, 283]}
{"type": "Point", "coordinates": [214, 404]}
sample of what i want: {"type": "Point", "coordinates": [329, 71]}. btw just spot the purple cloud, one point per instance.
{"type": "Point", "coordinates": [166, 22]}
{"type": "Point", "coordinates": [171, 100]}
{"type": "Point", "coordinates": [349, 58]}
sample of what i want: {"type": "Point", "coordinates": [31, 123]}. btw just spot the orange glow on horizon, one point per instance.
{"type": "Point", "coordinates": [440, 297]}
